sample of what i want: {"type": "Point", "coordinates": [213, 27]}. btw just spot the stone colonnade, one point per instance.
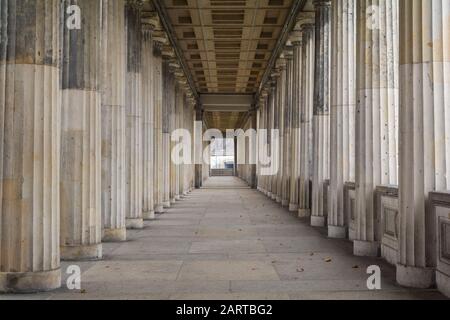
{"type": "Point", "coordinates": [368, 130]}
{"type": "Point", "coordinates": [86, 139]}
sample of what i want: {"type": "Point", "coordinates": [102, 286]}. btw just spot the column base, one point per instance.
{"type": "Point", "coordinates": [177, 197]}
{"type": "Point", "coordinates": [273, 196]}
{"type": "Point", "coordinates": [304, 213]}
{"type": "Point", "coordinates": [269, 194]}
{"type": "Point", "coordinates": [30, 282]}
{"type": "Point", "coordinates": [414, 277]}
{"type": "Point", "coordinates": [278, 199]}
{"type": "Point", "coordinates": [285, 203]}
{"type": "Point", "coordinates": [443, 283]}
{"type": "Point", "coordinates": [82, 252]}
{"type": "Point", "coordinates": [293, 207]}
{"type": "Point", "coordinates": [114, 235]}
{"type": "Point", "coordinates": [149, 215]}
{"type": "Point", "coordinates": [336, 232]}
{"type": "Point", "coordinates": [159, 208]}
{"type": "Point", "coordinates": [135, 223]}
{"type": "Point", "coordinates": [173, 201]}
{"type": "Point", "coordinates": [166, 204]}
{"type": "Point", "coordinates": [317, 221]}
{"type": "Point", "coordinates": [366, 248]}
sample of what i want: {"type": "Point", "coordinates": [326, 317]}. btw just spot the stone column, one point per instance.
{"type": "Point", "coordinates": [296, 39]}
{"type": "Point", "coordinates": [424, 135]}
{"type": "Point", "coordinates": [157, 102]}
{"type": "Point", "coordinates": [81, 216]}
{"type": "Point", "coordinates": [271, 191]}
{"type": "Point", "coordinates": [306, 119]}
{"type": "Point", "coordinates": [29, 146]}
{"type": "Point", "coordinates": [134, 109]}
{"type": "Point", "coordinates": [321, 119]}
{"type": "Point", "coordinates": [253, 150]}
{"type": "Point", "coordinates": [113, 119]}
{"type": "Point", "coordinates": [167, 101]}
{"type": "Point", "coordinates": [285, 194]}
{"type": "Point", "coordinates": [178, 107]}
{"type": "Point", "coordinates": [377, 110]}
{"type": "Point", "coordinates": [198, 149]}
{"type": "Point", "coordinates": [148, 123]}
{"type": "Point", "coordinates": [279, 125]}
{"type": "Point", "coordinates": [343, 104]}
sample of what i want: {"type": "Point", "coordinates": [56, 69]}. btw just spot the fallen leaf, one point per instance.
{"type": "Point", "coordinates": [355, 267]}
{"type": "Point", "coordinates": [300, 270]}
{"type": "Point", "coordinates": [327, 260]}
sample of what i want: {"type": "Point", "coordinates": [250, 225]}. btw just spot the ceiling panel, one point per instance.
{"type": "Point", "coordinates": [227, 43]}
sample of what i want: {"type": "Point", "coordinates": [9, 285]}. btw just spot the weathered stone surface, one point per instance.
{"type": "Point", "coordinates": [424, 131]}
{"type": "Point", "coordinates": [343, 104]}
{"type": "Point", "coordinates": [134, 113]}
{"type": "Point", "coordinates": [113, 121]}
{"type": "Point", "coordinates": [81, 221]}
{"type": "Point", "coordinates": [30, 108]}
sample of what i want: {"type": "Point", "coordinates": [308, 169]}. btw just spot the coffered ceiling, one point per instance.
{"type": "Point", "coordinates": [227, 43]}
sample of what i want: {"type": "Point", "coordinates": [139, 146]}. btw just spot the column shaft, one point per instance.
{"type": "Point", "coordinates": [343, 104]}
{"type": "Point", "coordinates": [295, 126]}
{"type": "Point", "coordinates": [377, 110]}
{"type": "Point", "coordinates": [29, 146]}
{"type": "Point", "coordinates": [306, 120]}
{"type": "Point", "coordinates": [113, 119]}
{"type": "Point", "coordinates": [148, 205]}
{"type": "Point", "coordinates": [134, 109]}
{"type": "Point", "coordinates": [321, 119]}
{"type": "Point", "coordinates": [424, 136]}
{"type": "Point", "coordinates": [81, 216]}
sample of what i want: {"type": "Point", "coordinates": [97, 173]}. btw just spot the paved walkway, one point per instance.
{"type": "Point", "coordinates": [227, 241]}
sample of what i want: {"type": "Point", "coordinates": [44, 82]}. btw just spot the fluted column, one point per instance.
{"type": "Point", "coordinates": [285, 194]}
{"type": "Point", "coordinates": [279, 125]}
{"type": "Point", "coordinates": [158, 142]}
{"type": "Point", "coordinates": [343, 104]}
{"type": "Point", "coordinates": [134, 110]}
{"type": "Point", "coordinates": [198, 149]}
{"type": "Point", "coordinates": [167, 100]}
{"type": "Point", "coordinates": [113, 119]}
{"type": "Point", "coordinates": [148, 204]}
{"type": "Point", "coordinates": [271, 191]}
{"type": "Point", "coordinates": [306, 119]}
{"type": "Point", "coordinates": [377, 111]}
{"type": "Point", "coordinates": [295, 121]}
{"type": "Point", "coordinates": [81, 216]}
{"type": "Point", "coordinates": [29, 146]}
{"type": "Point", "coordinates": [424, 135]}
{"type": "Point", "coordinates": [321, 119]}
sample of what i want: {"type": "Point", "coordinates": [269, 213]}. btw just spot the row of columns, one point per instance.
{"type": "Point", "coordinates": [86, 139]}
{"type": "Point", "coordinates": [368, 106]}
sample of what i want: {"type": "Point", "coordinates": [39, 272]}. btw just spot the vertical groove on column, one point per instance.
{"type": "Point", "coordinates": [343, 104]}
{"type": "Point", "coordinates": [424, 136]}
{"type": "Point", "coordinates": [113, 120]}
{"type": "Point", "coordinates": [81, 224]}
{"type": "Point", "coordinates": [376, 142]}
{"type": "Point", "coordinates": [134, 109]}
{"type": "Point", "coordinates": [29, 146]}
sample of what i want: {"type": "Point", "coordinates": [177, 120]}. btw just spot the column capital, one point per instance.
{"type": "Point", "coordinates": [135, 4]}
{"type": "Point", "coordinates": [322, 4]}
{"type": "Point", "coordinates": [296, 38]}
